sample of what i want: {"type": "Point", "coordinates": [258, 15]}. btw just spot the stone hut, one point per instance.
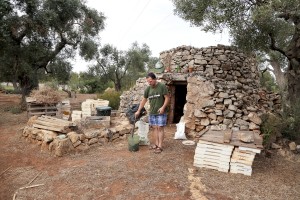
{"type": "Point", "coordinates": [215, 87]}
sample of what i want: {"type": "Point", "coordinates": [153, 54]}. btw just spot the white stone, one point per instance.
{"type": "Point", "coordinates": [91, 133]}
{"type": "Point", "coordinates": [74, 137]}
{"type": "Point", "coordinates": [292, 146]}
{"type": "Point", "coordinates": [223, 95]}
{"type": "Point", "coordinates": [254, 118]}
{"type": "Point", "coordinates": [205, 122]}
{"type": "Point", "coordinates": [232, 107]}
{"type": "Point", "coordinates": [227, 101]}
{"type": "Point", "coordinates": [199, 113]}
{"type": "Point", "coordinates": [275, 146]}
{"type": "Point", "coordinates": [219, 112]}
{"type": "Point", "coordinates": [253, 126]}
{"type": "Point", "coordinates": [212, 116]}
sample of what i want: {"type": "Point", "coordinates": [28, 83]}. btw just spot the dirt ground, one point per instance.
{"type": "Point", "coordinates": [110, 171]}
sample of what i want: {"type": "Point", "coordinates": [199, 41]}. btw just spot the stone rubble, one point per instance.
{"type": "Point", "coordinates": [85, 134]}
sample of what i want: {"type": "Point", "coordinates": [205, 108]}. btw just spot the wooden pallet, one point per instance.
{"type": "Point", "coordinates": [35, 109]}
{"type": "Point", "coordinates": [213, 156]}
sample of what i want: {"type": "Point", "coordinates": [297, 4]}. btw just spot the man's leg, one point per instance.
{"type": "Point", "coordinates": [156, 135]}
{"type": "Point", "coordinates": [160, 136]}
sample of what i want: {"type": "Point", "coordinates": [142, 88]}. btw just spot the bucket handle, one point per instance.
{"type": "Point", "coordinates": [133, 127]}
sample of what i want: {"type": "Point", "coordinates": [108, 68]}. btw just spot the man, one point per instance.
{"type": "Point", "coordinates": [157, 93]}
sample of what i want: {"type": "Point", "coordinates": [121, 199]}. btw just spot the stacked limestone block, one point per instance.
{"type": "Point", "coordinates": [133, 96]}
{"type": "Point", "coordinates": [220, 105]}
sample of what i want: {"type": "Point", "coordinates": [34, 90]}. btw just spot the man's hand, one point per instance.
{"type": "Point", "coordinates": [161, 110]}
{"type": "Point", "coordinates": [137, 114]}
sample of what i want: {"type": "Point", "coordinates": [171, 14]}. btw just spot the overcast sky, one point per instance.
{"type": "Point", "coordinates": [147, 21]}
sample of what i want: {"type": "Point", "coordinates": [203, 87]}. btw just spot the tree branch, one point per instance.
{"type": "Point", "coordinates": [274, 47]}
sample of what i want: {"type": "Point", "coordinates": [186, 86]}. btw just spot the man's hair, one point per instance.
{"type": "Point", "coordinates": [151, 75]}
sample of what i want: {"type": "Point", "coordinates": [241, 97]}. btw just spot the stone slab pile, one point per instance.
{"type": "Point", "coordinates": [60, 137]}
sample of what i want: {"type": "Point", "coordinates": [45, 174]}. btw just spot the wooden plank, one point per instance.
{"type": "Point", "coordinates": [42, 113]}
{"type": "Point", "coordinates": [212, 158]}
{"type": "Point", "coordinates": [218, 137]}
{"type": "Point", "coordinates": [240, 166]}
{"type": "Point", "coordinates": [49, 128]}
{"type": "Point", "coordinates": [217, 151]}
{"type": "Point", "coordinates": [203, 146]}
{"type": "Point", "coordinates": [243, 157]}
{"type": "Point", "coordinates": [56, 120]}
{"type": "Point", "coordinates": [213, 151]}
{"type": "Point", "coordinates": [240, 153]}
{"type": "Point", "coordinates": [50, 124]}
{"type": "Point", "coordinates": [246, 162]}
{"type": "Point", "coordinates": [211, 167]}
{"type": "Point", "coordinates": [250, 149]}
{"type": "Point", "coordinates": [235, 171]}
{"type": "Point", "coordinates": [212, 163]}
{"type": "Point", "coordinates": [201, 142]}
{"type": "Point", "coordinates": [41, 108]}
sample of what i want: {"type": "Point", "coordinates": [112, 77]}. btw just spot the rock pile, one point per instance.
{"type": "Point", "coordinates": [133, 96]}
{"type": "Point", "coordinates": [85, 133]}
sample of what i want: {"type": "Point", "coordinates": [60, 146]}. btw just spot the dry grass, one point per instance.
{"type": "Point", "coordinates": [46, 95]}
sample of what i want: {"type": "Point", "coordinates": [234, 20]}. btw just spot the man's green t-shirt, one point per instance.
{"type": "Point", "coordinates": [156, 97]}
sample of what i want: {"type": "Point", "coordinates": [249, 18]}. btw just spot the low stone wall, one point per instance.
{"type": "Point", "coordinates": [219, 106]}
{"type": "Point", "coordinates": [86, 133]}
{"type": "Point", "coordinates": [223, 89]}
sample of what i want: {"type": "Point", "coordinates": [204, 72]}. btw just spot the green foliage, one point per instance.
{"type": "Point", "coordinates": [9, 89]}
{"type": "Point", "coordinates": [43, 34]}
{"type": "Point", "coordinates": [16, 110]}
{"type": "Point", "coordinates": [121, 67]}
{"type": "Point", "coordinates": [89, 83]}
{"type": "Point", "coordinates": [291, 121]}
{"type": "Point", "coordinates": [286, 125]}
{"type": "Point", "coordinates": [254, 26]}
{"type": "Point", "coordinates": [60, 70]}
{"type": "Point", "coordinates": [267, 81]}
{"type": "Point", "coordinates": [112, 96]}
{"type": "Point", "coordinates": [12, 109]}
{"type": "Point", "coordinates": [271, 127]}
{"type": "Point", "coordinates": [52, 84]}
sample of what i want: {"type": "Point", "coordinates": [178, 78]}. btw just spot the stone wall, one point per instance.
{"type": "Point", "coordinates": [223, 89]}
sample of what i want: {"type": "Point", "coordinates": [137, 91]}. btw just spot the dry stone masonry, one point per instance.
{"type": "Point", "coordinates": [223, 89]}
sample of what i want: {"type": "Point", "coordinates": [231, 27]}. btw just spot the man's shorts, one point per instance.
{"type": "Point", "coordinates": [158, 120]}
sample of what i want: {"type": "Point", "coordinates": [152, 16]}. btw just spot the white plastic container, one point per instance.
{"type": "Point", "coordinates": [143, 130]}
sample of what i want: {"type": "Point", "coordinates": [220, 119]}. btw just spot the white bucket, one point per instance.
{"type": "Point", "coordinates": [143, 130]}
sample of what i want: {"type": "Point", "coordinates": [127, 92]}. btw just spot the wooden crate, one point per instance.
{"type": "Point", "coordinates": [36, 109]}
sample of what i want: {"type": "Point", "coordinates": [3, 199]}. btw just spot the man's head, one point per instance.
{"type": "Point", "coordinates": [151, 79]}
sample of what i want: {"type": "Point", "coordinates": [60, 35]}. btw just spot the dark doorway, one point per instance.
{"type": "Point", "coordinates": [180, 100]}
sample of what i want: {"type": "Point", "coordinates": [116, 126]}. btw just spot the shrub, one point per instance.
{"type": "Point", "coordinates": [286, 125]}
{"type": "Point", "coordinates": [291, 120]}
{"type": "Point", "coordinates": [13, 109]}
{"type": "Point", "coordinates": [271, 128]}
{"type": "Point", "coordinates": [16, 110]}
{"type": "Point", "coordinates": [112, 96]}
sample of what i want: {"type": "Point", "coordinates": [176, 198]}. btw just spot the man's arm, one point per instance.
{"type": "Point", "coordinates": [166, 102]}
{"type": "Point", "coordinates": [141, 106]}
